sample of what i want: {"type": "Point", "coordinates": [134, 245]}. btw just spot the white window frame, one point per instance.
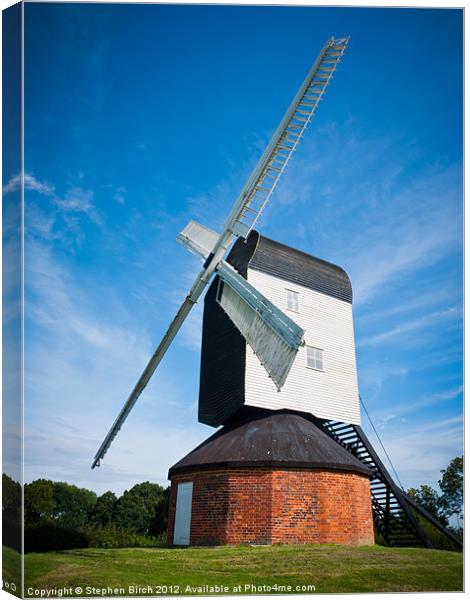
{"type": "Point", "coordinates": [318, 358]}
{"type": "Point", "coordinates": [292, 294]}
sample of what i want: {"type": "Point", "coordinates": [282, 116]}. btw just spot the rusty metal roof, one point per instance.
{"type": "Point", "coordinates": [274, 439]}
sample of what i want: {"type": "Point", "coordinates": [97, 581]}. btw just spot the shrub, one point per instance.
{"type": "Point", "coordinates": [48, 536]}
{"type": "Point", "coordinates": [113, 537]}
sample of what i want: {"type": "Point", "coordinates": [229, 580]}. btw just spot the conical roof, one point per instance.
{"type": "Point", "coordinates": [277, 439]}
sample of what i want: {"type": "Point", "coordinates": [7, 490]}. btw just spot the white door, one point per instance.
{"type": "Point", "coordinates": [184, 500]}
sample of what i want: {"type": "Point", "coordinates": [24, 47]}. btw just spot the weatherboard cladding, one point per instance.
{"type": "Point", "coordinates": [223, 353]}
{"type": "Point", "coordinates": [276, 439]}
{"type": "Point", "coordinates": [331, 393]}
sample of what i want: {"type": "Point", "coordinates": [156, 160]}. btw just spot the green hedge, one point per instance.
{"type": "Point", "coordinates": [49, 536]}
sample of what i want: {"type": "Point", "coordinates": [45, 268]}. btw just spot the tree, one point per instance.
{"type": "Point", "coordinates": [72, 505]}
{"type": "Point", "coordinates": [451, 486]}
{"type": "Point", "coordinates": [143, 509]}
{"type": "Point", "coordinates": [39, 500]}
{"type": "Point", "coordinates": [130, 513]}
{"type": "Point", "coordinates": [430, 500]}
{"type": "Point", "coordinates": [63, 507]}
{"type": "Point", "coordinates": [11, 498]}
{"type": "Point", "coordinates": [160, 519]}
{"type": "Point", "coordinates": [450, 501]}
{"type": "Point", "coordinates": [104, 511]}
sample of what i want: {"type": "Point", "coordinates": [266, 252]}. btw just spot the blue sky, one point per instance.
{"type": "Point", "coordinates": [140, 117]}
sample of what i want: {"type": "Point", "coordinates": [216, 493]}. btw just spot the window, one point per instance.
{"type": "Point", "coordinates": [293, 301]}
{"type": "Point", "coordinates": [314, 358]}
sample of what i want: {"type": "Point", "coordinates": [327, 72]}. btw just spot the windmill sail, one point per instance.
{"type": "Point", "coordinates": [273, 336]}
{"type": "Point", "coordinates": [198, 239]}
{"type": "Point", "coordinates": [242, 217]}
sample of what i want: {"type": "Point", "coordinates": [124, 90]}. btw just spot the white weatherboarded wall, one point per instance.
{"type": "Point", "coordinates": [328, 323]}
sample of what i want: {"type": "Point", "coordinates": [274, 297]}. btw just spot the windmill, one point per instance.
{"type": "Point", "coordinates": [280, 421]}
{"type": "Point", "coordinates": [268, 324]}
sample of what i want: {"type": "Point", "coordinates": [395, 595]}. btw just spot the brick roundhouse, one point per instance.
{"type": "Point", "coordinates": [273, 478]}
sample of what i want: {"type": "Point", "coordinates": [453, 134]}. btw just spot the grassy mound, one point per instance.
{"type": "Point", "coordinates": [282, 569]}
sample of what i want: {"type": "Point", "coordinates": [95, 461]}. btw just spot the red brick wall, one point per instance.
{"type": "Point", "coordinates": [325, 507]}
{"type": "Point", "coordinates": [265, 506]}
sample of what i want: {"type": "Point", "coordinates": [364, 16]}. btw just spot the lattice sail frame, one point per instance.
{"type": "Point", "coordinates": [259, 188]}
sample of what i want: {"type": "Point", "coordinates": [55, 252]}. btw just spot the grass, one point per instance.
{"type": "Point", "coordinates": [328, 568]}
{"type": "Point", "coordinates": [11, 570]}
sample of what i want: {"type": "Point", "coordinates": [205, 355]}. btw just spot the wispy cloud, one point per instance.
{"type": "Point", "coordinates": [447, 395]}
{"type": "Point", "coordinates": [56, 216]}
{"type": "Point", "coordinates": [418, 234]}
{"type": "Point", "coordinates": [383, 417]}
{"type": "Point", "coordinates": [77, 200]}
{"type": "Point", "coordinates": [30, 183]}
{"type": "Point", "coordinates": [410, 326]}
{"type": "Point", "coordinates": [119, 196]}
{"type": "Point", "coordinates": [412, 247]}
{"type": "Point", "coordinates": [418, 299]}
{"type": "Point", "coordinates": [39, 224]}
{"type": "Point", "coordinates": [374, 375]}
{"type": "Point", "coordinates": [56, 303]}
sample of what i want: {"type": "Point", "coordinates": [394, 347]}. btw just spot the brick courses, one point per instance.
{"type": "Point", "coordinates": [274, 506]}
